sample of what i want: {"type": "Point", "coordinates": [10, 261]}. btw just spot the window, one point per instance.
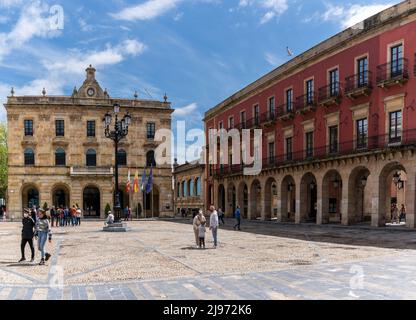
{"type": "Point", "coordinates": [231, 123]}
{"type": "Point", "coordinates": [362, 66]}
{"type": "Point", "coordinates": [256, 114]}
{"type": "Point", "coordinates": [150, 159]}
{"type": "Point", "coordinates": [272, 107]}
{"type": "Point", "coordinates": [396, 54]}
{"type": "Point", "coordinates": [29, 157]}
{"type": "Point", "coordinates": [333, 139]}
{"type": "Point", "coordinates": [362, 131]}
{"type": "Point", "coordinates": [91, 158]}
{"type": "Point", "coordinates": [185, 189]}
{"type": "Point", "coordinates": [271, 152]}
{"type": "Point", "coordinates": [178, 190]}
{"type": "Point", "coordinates": [91, 128]}
{"type": "Point", "coordinates": [333, 205]}
{"type": "Point", "coordinates": [395, 125]}
{"type": "Point", "coordinates": [309, 144]}
{"type": "Point", "coordinates": [289, 100]}
{"type": "Point", "coordinates": [151, 130]}
{"type": "Point", "coordinates": [289, 145]}
{"type": "Point", "coordinates": [122, 158]}
{"type": "Point", "coordinates": [60, 128]}
{"type": "Point", "coordinates": [28, 127]}
{"type": "Point", "coordinates": [191, 188]}
{"type": "Point", "coordinates": [309, 92]}
{"type": "Point", "coordinates": [198, 186]}
{"type": "Point", "coordinates": [60, 158]}
{"type": "Point", "coordinates": [333, 82]}
{"type": "Point", "coordinates": [243, 119]}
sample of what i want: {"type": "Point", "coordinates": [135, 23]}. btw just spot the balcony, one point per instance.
{"type": "Point", "coordinates": [306, 103]}
{"type": "Point", "coordinates": [268, 118]}
{"type": "Point", "coordinates": [285, 112]}
{"type": "Point", "coordinates": [359, 85]}
{"type": "Point", "coordinates": [351, 148]}
{"type": "Point", "coordinates": [330, 95]}
{"type": "Point", "coordinates": [91, 171]}
{"type": "Point", "coordinates": [393, 73]}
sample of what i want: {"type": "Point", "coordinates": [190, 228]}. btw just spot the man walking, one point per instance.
{"type": "Point", "coordinates": [221, 215]}
{"type": "Point", "coordinates": [213, 225]}
{"type": "Point", "coordinates": [53, 216]}
{"type": "Point", "coordinates": [27, 235]}
{"type": "Point", "coordinates": [238, 218]}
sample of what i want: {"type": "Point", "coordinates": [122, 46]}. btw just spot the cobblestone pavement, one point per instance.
{"type": "Point", "coordinates": [158, 260]}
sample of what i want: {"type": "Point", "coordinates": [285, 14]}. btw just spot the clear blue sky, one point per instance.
{"type": "Point", "coordinates": [198, 51]}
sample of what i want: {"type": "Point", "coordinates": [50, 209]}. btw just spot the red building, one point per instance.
{"type": "Point", "coordinates": [338, 121]}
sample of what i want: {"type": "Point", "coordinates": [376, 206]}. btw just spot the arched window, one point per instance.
{"type": "Point", "coordinates": [179, 189]}
{"type": "Point", "coordinates": [198, 186]}
{"type": "Point", "coordinates": [150, 159]}
{"type": "Point", "coordinates": [60, 158]}
{"type": "Point", "coordinates": [191, 188]}
{"type": "Point", "coordinates": [91, 158]}
{"type": "Point", "coordinates": [29, 157]}
{"type": "Point", "coordinates": [122, 158]}
{"type": "Point", "coordinates": [183, 189]}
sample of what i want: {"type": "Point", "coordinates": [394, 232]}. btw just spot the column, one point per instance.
{"type": "Point", "coordinates": [298, 217]}
{"type": "Point", "coordinates": [347, 208]}
{"type": "Point", "coordinates": [410, 200]}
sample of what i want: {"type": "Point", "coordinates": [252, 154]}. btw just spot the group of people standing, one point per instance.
{"type": "Point", "coordinates": [35, 224]}
{"type": "Point", "coordinates": [62, 217]}
{"type": "Point", "coordinates": [200, 225]}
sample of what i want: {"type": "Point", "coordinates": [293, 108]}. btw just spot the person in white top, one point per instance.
{"type": "Point", "coordinates": [110, 218]}
{"type": "Point", "coordinates": [213, 224]}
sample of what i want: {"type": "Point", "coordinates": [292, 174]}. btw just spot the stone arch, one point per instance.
{"type": "Point", "coordinates": [270, 198]}
{"type": "Point", "coordinates": [332, 197]}
{"type": "Point", "coordinates": [288, 199]}
{"type": "Point", "coordinates": [255, 199]}
{"type": "Point", "coordinates": [242, 199]}
{"type": "Point", "coordinates": [391, 193]}
{"type": "Point", "coordinates": [308, 198]}
{"type": "Point", "coordinates": [61, 195]}
{"type": "Point", "coordinates": [232, 200]}
{"type": "Point", "coordinates": [359, 200]}
{"type": "Point", "coordinates": [30, 195]}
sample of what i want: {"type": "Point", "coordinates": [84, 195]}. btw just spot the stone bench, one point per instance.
{"type": "Point", "coordinates": [116, 227]}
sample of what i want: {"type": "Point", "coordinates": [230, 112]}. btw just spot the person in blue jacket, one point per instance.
{"type": "Point", "coordinates": [238, 218]}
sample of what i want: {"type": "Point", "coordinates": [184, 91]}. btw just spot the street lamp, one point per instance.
{"type": "Point", "coordinates": [121, 130]}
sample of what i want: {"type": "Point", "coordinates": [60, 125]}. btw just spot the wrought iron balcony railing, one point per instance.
{"type": "Point", "coordinates": [285, 111]}
{"type": "Point", "coordinates": [359, 84]}
{"type": "Point", "coordinates": [330, 94]}
{"type": "Point", "coordinates": [394, 72]}
{"type": "Point", "coordinates": [306, 103]}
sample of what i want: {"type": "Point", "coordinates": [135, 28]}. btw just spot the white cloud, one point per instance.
{"type": "Point", "coordinates": [76, 61]}
{"type": "Point", "coordinates": [187, 110]}
{"type": "Point", "coordinates": [10, 3]}
{"type": "Point", "coordinates": [348, 16]}
{"type": "Point", "coordinates": [273, 8]}
{"type": "Point", "coordinates": [33, 22]}
{"type": "Point", "coordinates": [273, 59]}
{"type": "Point", "coordinates": [146, 11]}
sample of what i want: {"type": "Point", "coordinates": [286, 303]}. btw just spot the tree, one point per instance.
{"type": "Point", "coordinates": [107, 208]}
{"type": "Point", "coordinates": [3, 160]}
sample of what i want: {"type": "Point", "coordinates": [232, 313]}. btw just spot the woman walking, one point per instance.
{"type": "Point", "coordinates": [43, 232]}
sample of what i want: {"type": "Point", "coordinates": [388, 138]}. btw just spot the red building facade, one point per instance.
{"type": "Point", "coordinates": [338, 121]}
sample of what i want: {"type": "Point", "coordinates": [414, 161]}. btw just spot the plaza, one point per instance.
{"type": "Point", "coordinates": [158, 260]}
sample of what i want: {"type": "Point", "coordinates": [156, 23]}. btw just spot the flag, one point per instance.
{"type": "Point", "coordinates": [128, 184]}
{"type": "Point", "coordinates": [149, 185]}
{"type": "Point", "coordinates": [136, 182]}
{"type": "Point", "coordinates": [143, 184]}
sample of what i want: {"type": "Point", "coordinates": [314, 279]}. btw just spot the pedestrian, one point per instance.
{"type": "Point", "coordinates": [199, 218]}
{"type": "Point", "coordinates": [110, 218]}
{"type": "Point", "coordinates": [34, 214]}
{"type": "Point", "coordinates": [238, 218]}
{"type": "Point", "coordinates": [395, 214]}
{"type": "Point", "coordinates": [403, 213]}
{"type": "Point", "coordinates": [201, 235]}
{"type": "Point", "coordinates": [62, 216]}
{"type": "Point", "coordinates": [126, 213]}
{"type": "Point", "coordinates": [183, 212]}
{"type": "Point", "coordinates": [53, 216]}
{"type": "Point", "coordinates": [43, 233]}
{"type": "Point", "coordinates": [213, 225]}
{"type": "Point", "coordinates": [221, 215]}
{"type": "Point", "coordinates": [79, 215]}
{"type": "Point", "coordinates": [130, 215]}
{"type": "Point", "coordinates": [73, 213]}
{"type": "Point", "coordinates": [27, 235]}
{"type": "Point", "coordinates": [67, 217]}
{"type": "Point", "coordinates": [4, 213]}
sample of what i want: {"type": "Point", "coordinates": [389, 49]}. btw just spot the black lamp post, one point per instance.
{"type": "Point", "coordinates": [121, 130]}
